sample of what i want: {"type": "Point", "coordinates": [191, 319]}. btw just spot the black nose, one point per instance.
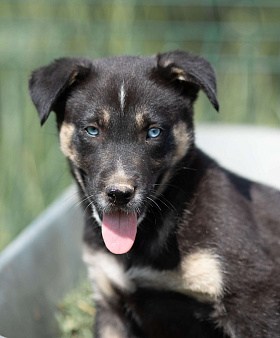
{"type": "Point", "coordinates": [120, 194]}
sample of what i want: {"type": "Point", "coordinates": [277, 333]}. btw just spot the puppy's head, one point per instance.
{"type": "Point", "coordinates": [125, 124]}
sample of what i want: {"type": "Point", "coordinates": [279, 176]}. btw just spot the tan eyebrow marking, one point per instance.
{"type": "Point", "coordinates": [106, 116]}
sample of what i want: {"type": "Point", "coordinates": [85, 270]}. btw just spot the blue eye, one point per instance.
{"type": "Point", "coordinates": [92, 131]}
{"type": "Point", "coordinates": [154, 132]}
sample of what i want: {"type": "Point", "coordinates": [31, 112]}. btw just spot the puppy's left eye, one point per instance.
{"type": "Point", "coordinates": [154, 132]}
{"type": "Point", "coordinates": [92, 131]}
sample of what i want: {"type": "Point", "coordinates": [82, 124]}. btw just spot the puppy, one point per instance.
{"type": "Point", "coordinates": [176, 246]}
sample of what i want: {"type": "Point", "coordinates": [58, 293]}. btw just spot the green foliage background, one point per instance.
{"type": "Point", "coordinates": [240, 38]}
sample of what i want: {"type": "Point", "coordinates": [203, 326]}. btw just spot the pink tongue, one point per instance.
{"type": "Point", "coordinates": [119, 231]}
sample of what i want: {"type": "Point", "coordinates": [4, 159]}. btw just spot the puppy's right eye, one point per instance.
{"type": "Point", "coordinates": [154, 132]}
{"type": "Point", "coordinates": [92, 131]}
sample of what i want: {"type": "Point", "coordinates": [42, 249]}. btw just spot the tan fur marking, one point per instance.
{"type": "Point", "coordinates": [202, 273]}
{"type": "Point", "coordinates": [182, 139]}
{"type": "Point", "coordinates": [140, 120]}
{"type": "Point", "coordinates": [65, 137]}
{"type": "Point", "coordinates": [73, 78]}
{"type": "Point", "coordinates": [180, 74]}
{"type": "Point", "coordinates": [199, 276]}
{"type": "Point", "coordinates": [106, 117]}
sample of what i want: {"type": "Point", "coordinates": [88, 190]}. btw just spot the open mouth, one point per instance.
{"type": "Point", "coordinates": [119, 218]}
{"type": "Point", "coordinates": [119, 231]}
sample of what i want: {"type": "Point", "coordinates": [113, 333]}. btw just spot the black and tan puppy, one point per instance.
{"type": "Point", "coordinates": [175, 245]}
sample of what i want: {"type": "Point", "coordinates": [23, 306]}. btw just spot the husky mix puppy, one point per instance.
{"type": "Point", "coordinates": [175, 245]}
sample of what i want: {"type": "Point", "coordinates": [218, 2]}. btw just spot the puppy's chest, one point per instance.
{"type": "Point", "coordinates": [199, 274]}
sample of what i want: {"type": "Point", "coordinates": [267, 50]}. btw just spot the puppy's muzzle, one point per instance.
{"type": "Point", "coordinates": [119, 194]}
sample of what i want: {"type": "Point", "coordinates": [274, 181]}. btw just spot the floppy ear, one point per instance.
{"type": "Point", "coordinates": [48, 84]}
{"type": "Point", "coordinates": [194, 70]}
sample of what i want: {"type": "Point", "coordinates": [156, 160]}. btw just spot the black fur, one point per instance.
{"type": "Point", "coordinates": [202, 205]}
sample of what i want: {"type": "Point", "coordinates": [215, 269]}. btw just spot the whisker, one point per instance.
{"type": "Point", "coordinates": [167, 203]}
{"type": "Point", "coordinates": [155, 203]}
{"type": "Point", "coordinates": [169, 185]}
{"type": "Point", "coordinates": [88, 206]}
{"type": "Point", "coordinates": [84, 199]}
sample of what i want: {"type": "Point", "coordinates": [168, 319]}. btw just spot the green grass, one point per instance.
{"type": "Point", "coordinates": [242, 43]}
{"type": "Point", "coordinates": [76, 312]}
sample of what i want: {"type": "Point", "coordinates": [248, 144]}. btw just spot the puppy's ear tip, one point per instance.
{"type": "Point", "coordinates": [43, 120]}
{"type": "Point", "coordinates": [211, 94]}
{"type": "Point", "coordinates": [216, 105]}
{"type": "Point", "coordinates": [43, 110]}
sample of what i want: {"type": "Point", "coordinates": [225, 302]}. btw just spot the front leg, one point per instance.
{"type": "Point", "coordinates": [111, 322]}
{"type": "Point", "coordinates": [110, 285]}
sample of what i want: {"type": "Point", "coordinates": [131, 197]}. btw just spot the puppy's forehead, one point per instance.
{"type": "Point", "coordinates": [120, 81]}
{"type": "Point", "coordinates": [114, 84]}
{"type": "Point", "coordinates": [122, 86]}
